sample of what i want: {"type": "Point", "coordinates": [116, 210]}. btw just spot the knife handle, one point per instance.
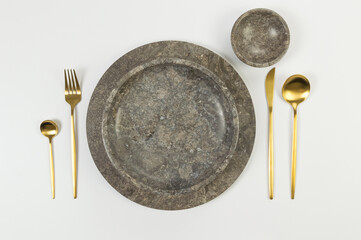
{"type": "Point", "coordinates": [270, 154]}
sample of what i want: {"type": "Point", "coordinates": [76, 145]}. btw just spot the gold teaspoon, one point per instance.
{"type": "Point", "coordinates": [295, 90]}
{"type": "Point", "coordinates": [49, 129]}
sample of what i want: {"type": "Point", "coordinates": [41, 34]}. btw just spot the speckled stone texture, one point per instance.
{"type": "Point", "coordinates": [171, 125]}
{"type": "Point", "coordinates": [260, 37]}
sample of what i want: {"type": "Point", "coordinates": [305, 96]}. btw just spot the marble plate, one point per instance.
{"type": "Point", "coordinates": [170, 125]}
{"type": "Point", "coordinates": [260, 37]}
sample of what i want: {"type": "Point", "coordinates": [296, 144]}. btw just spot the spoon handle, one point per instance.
{"type": "Point", "coordinates": [270, 154]}
{"type": "Point", "coordinates": [294, 154]}
{"type": "Point", "coordinates": [74, 162]}
{"type": "Point", "coordinates": [52, 170]}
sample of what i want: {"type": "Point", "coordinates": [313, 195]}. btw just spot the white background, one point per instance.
{"type": "Point", "coordinates": [39, 38]}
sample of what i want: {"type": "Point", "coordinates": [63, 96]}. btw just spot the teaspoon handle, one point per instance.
{"type": "Point", "coordinates": [294, 154]}
{"type": "Point", "coordinates": [52, 170]}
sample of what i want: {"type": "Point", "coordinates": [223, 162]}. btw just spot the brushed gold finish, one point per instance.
{"type": "Point", "coordinates": [73, 97]}
{"type": "Point", "coordinates": [49, 129]}
{"type": "Point", "coordinates": [269, 84]}
{"type": "Point", "coordinates": [295, 90]}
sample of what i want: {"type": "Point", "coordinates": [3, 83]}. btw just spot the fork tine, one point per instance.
{"type": "Point", "coordinates": [66, 83]}
{"type": "Point", "coordinates": [73, 82]}
{"type": "Point", "coordinates": [77, 83]}
{"type": "Point", "coordinates": [71, 86]}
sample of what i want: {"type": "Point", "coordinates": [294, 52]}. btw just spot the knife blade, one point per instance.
{"type": "Point", "coordinates": [270, 82]}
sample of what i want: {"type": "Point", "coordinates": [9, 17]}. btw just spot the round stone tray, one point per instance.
{"type": "Point", "coordinates": [170, 125]}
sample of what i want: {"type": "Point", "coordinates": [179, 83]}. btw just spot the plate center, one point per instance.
{"type": "Point", "coordinates": [170, 127]}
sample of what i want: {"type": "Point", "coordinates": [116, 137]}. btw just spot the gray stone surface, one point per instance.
{"type": "Point", "coordinates": [260, 37]}
{"type": "Point", "coordinates": [170, 125]}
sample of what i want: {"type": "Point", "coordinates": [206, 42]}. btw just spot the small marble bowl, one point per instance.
{"type": "Point", "coordinates": [260, 37]}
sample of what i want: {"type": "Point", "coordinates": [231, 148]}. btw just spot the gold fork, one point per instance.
{"type": "Point", "coordinates": [73, 97]}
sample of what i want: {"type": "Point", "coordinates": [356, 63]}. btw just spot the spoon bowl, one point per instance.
{"type": "Point", "coordinates": [49, 129]}
{"type": "Point", "coordinates": [296, 89]}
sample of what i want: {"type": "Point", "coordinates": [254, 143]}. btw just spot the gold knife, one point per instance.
{"type": "Point", "coordinates": [270, 82]}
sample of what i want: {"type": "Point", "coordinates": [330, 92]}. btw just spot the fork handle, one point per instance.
{"type": "Point", "coordinates": [74, 160]}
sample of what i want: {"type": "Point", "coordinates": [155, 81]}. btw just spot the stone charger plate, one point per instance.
{"type": "Point", "coordinates": [171, 125]}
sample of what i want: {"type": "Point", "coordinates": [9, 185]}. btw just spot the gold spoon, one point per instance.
{"type": "Point", "coordinates": [295, 90]}
{"type": "Point", "coordinates": [49, 129]}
